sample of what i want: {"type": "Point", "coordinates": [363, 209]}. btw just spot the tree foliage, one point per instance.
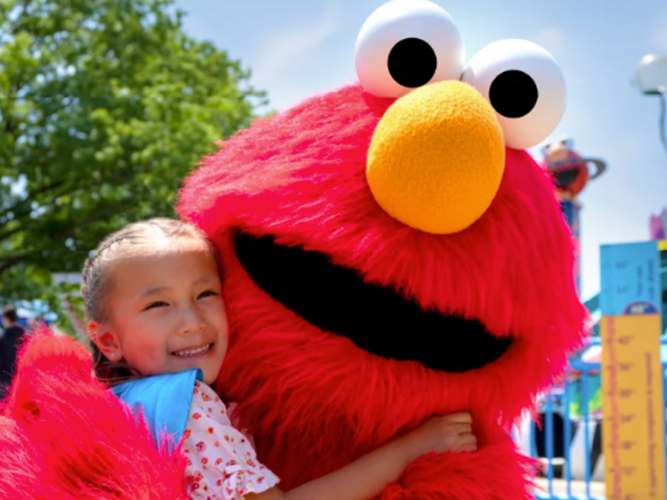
{"type": "Point", "coordinates": [105, 106]}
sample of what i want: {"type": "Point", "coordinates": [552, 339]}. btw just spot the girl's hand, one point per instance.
{"type": "Point", "coordinates": [440, 434]}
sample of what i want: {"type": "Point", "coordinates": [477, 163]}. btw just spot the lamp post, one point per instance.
{"type": "Point", "coordinates": [652, 80]}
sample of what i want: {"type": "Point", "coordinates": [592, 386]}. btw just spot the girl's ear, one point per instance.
{"type": "Point", "coordinates": [105, 340]}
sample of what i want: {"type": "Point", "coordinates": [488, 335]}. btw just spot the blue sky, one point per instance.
{"type": "Point", "coordinates": [296, 48]}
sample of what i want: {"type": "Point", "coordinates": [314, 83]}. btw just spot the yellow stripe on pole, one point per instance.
{"type": "Point", "coordinates": [634, 429]}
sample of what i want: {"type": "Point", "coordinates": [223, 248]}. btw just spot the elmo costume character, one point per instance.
{"type": "Point", "coordinates": [389, 253]}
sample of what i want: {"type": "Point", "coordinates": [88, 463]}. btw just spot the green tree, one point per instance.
{"type": "Point", "coordinates": [105, 106]}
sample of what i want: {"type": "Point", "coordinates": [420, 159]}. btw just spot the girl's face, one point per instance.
{"type": "Point", "coordinates": [166, 313]}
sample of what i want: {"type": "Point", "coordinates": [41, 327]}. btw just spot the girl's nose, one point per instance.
{"type": "Point", "coordinates": [192, 322]}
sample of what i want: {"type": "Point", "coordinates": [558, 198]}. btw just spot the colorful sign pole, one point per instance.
{"type": "Point", "coordinates": [632, 374]}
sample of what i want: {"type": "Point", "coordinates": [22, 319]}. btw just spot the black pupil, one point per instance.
{"type": "Point", "coordinates": [513, 94]}
{"type": "Point", "coordinates": [412, 62]}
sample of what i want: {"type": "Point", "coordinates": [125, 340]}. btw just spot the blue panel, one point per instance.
{"type": "Point", "coordinates": [630, 279]}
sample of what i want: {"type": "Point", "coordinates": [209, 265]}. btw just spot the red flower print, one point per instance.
{"type": "Point", "coordinates": [261, 467]}
{"type": "Point", "coordinates": [194, 486]}
{"type": "Point", "coordinates": [189, 462]}
{"type": "Point", "coordinates": [216, 444]}
{"type": "Point", "coordinates": [218, 482]}
{"type": "Point", "coordinates": [218, 461]}
{"type": "Point", "coordinates": [196, 416]}
{"type": "Point", "coordinates": [210, 409]}
{"type": "Point", "coordinates": [226, 438]}
{"type": "Point", "coordinates": [204, 460]}
{"type": "Point", "coordinates": [205, 396]}
{"type": "Point", "coordinates": [251, 463]}
{"type": "Point", "coordinates": [186, 435]}
{"type": "Point", "coordinates": [217, 400]}
{"type": "Point", "coordinates": [196, 391]}
{"type": "Point", "coordinates": [230, 463]}
{"type": "Point", "coordinates": [201, 446]}
{"type": "Point", "coordinates": [260, 479]}
{"type": "Point", "coordinates": [196, 478]}
{"type": "Point", "coordinates": [210, 430]}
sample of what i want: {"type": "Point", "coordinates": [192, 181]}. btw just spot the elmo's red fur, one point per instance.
{"type": "Point", "coordinates": [316, 400]}
{"type": "Point", "coordinates": [64, 437]}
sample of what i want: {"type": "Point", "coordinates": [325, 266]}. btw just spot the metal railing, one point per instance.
{"type": "Point", "coordinates": [565, 393]}
{"type": "Point", "coordinates": [566, 487]}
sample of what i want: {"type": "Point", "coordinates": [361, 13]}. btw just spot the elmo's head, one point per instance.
{"type": "Point", "coordinates": [389, 250]}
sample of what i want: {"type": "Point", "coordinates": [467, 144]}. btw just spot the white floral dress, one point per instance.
{"type": "Point", "coordinates": [221, 461]}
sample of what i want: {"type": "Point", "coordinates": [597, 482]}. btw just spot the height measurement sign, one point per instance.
{"type": "Point", "coordinates": [632, 382]}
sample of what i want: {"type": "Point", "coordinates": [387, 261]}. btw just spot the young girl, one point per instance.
{"type": "Point", "coordinates": [159, 336]}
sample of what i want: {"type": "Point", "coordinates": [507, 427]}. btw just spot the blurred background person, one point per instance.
{"type": "Point", "coordinates": [8, 346]}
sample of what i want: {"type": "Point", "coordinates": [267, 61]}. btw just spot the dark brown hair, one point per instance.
{"type": "Point", "coordinates": [9, 312]}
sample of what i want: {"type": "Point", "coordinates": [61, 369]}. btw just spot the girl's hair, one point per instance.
{"type": "Point", "coordinates": [141, 238]}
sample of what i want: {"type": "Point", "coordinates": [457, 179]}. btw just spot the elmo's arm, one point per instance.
{"type": "Point", "coordinates": [495, 472]}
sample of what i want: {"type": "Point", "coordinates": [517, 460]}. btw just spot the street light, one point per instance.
{"type": "Point", "coordinates": [652, 80]}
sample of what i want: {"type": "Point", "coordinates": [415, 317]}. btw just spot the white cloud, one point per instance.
{"type": "Point", "coordinates": [553, 40]}
{"type": "Point", "coordinates": [657, 34]}
{"type": "Point", "coordinates": [660, 38]}
{"type": "Point", "coordinates": [282, 53]}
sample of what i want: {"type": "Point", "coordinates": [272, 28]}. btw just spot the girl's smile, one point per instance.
{"type": "Point", "coordinates": [190, 353]}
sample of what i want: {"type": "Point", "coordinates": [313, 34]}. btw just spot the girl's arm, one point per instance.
{"type": "Point", "coordinates": [369, 475]}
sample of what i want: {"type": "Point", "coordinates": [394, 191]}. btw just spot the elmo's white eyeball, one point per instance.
{"type": "Point", "coordinates": [525, 86]}
{"type": "Point", "coordinates": [406, 44]}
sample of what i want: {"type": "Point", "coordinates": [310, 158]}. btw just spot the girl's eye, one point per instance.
{"type": "Point", "coordinates": [157, 304]}
{"type": "Point", "coordinates": [207, 293]}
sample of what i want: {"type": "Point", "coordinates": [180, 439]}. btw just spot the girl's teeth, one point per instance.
{"type": "Point", "coordinates": [193, 352]}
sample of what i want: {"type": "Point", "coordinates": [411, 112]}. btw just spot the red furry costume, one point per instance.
{"type": "Point", "coordinates": [350, 327]}
{"type": "Point", "coordinates": [64, 437]}
{"type": "Point", "coordinates": [317, 401]}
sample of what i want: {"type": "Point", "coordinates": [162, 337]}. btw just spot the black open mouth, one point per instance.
{"type": "Point", "coordinates": [375, 318]}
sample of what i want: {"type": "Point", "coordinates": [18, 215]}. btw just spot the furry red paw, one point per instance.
{"type": "Point", "coordinates": [495, 472]}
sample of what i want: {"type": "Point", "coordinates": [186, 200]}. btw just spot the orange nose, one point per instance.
{"type": "Point", "coordinates": [437, 158]}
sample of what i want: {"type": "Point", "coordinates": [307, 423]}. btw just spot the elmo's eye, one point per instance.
{"type": "Point", "coordinates": [525, 86]}
{"type": "Point", "coordinates": [406, 44]}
